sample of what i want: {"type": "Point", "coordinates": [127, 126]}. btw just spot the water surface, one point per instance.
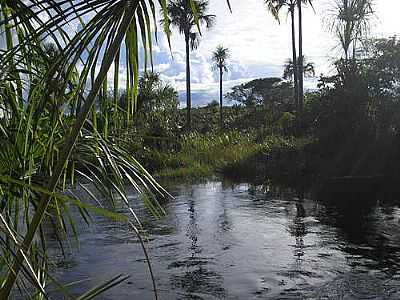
{"type": "Point", "coordinates": [236, 242]}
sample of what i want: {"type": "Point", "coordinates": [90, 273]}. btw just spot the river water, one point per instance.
{"type": "Point", "coordinates": [219, 241]}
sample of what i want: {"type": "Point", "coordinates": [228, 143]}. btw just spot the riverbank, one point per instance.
{"type": "Point", "coordinates": [257, 146]}
{"type": "Point", "coordinates": [241, 156]}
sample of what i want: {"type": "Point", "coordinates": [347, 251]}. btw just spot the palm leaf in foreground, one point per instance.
{"type": "Point", "coordinates": [97, 43]}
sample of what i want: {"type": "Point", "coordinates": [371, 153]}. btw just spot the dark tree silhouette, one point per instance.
{"type": "Point", "coordinates": [289, 71]}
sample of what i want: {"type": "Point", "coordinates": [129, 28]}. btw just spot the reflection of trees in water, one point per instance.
{"type": "Point", "coordinates": [229, 185]}
{"type": "Point", "coordinates": [199, 281]}
{"type": "Point", "coordinates": [298, 230]}
{"type": "Point", "coordinates": [196, 279]}
{"type": "Point", "coordinates": [193, 230]}
{"type": "Point", "coordinates": [370, 233]}
{"type": "Point", "coordinates": [224, 220]}
{"type": "Point", "coordinates": [225, 225]}
{"type": "Point", "coordinates": [355, 220]}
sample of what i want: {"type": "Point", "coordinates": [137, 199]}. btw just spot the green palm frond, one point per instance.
{"type": "Point", "coordinates": [289, 68]}
{"type": "Point", "coordinates": [350, 22]}
{"type": "Point", "coordinates": [188, 17]}
{"type": "Point", "coordinates": [53, 80]}
{"type": "Point", "coordinates": [220, 58]}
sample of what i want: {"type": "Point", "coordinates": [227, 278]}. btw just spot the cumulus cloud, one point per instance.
{"type": "Point", "coordinates": [259, 47]}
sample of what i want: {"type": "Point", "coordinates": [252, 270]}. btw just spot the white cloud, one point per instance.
{"type": "Point", "coordinates": [259, 45]}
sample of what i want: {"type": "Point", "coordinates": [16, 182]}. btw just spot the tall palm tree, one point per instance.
{"type": "Point", "coordinates": [187, 19]}
{"type": "Point", "coordinates": [274, 6]}
{"type": "Point", "coordinates": [220, 57]}
{"type": "Point", "coordinates": [300, 62]}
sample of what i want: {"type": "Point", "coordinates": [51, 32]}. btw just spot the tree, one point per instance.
{"type": "Point", "coordinates": [259, 92]}
{"type": "Point", "coordinates": [181, 16]}
{"type": "Point", "coordinates": [350, 23]}
{"type": "Point", "coordinates": [157, 102]}
{"type": "Point", "coordinates": [266, 100]}
{"type": "Point", "coordinates": [274, 6]}
{"type": "Point", "coordinates": [289, 71]}
{"type": "Point", "coordinates": [220, 57]}
{"type": "Point", "coordinates": [300, 62]}
{"type": "Point", "coordinates": [44, 149]}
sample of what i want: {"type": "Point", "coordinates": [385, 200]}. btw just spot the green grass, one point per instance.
{"type": "Point", "coordinates": [194, 171]}
{"type": "Point", "coordinates": [232, 154]}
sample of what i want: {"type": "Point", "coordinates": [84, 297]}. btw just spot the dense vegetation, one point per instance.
{"type": "Point", "coordinates": [63, 127]}
{"type": "Point", "coordinates": [350, 122]}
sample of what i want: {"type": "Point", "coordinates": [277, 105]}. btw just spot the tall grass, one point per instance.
{"type": "Point", "coordinates": [241, 155]}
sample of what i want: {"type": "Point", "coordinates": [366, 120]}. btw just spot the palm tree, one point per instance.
{"type": "Point", "coordinates": [274, 6]}
{"type": "Point", "coordinates": [300, 62]}
{"type": "Point", "coordinates": [51, 146]}
{"type": "Point", "coordinates": [350, 23]}
{"type": "Point", "coordinates": [289, 71]}
{"type": "Point", "coordinates": [181, 16]}
{"type": "Point", "coordinates": [220, 57]}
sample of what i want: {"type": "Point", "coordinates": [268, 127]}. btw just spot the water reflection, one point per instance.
{"type": "Point", "coordinates": [224, 220]}
{"type": "Point", "coordinates": [196, 278]}
{"type": "Point", "coordinates": [298, 231]}
{"type": "Point", "coordinates": [220, 241]}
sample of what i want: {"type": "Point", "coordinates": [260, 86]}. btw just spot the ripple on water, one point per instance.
{"type": "Point", "coordinates": [353, 286]}
{"type": "Point", "coordinates": [229, 243]}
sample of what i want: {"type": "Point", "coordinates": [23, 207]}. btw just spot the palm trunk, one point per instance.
{"type": "Point", "coordinates": [294, 58]}
{"type": "Point", "coordinates": [300, 63]}
{"type": "Point", "coordinates": [220, 99]}
{"type": "Point", "coordinates": [188, 92]}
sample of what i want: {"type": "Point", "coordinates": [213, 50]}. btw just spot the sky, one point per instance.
{"type": "Point", "coordinates": [259, 46]}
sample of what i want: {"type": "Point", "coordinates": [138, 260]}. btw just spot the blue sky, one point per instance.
{"type": "Point", "coordinates": [259, 45]}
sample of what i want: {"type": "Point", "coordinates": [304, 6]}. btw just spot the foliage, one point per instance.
{"type": "Point", "coordinates": [350, 24]}
{"type": "Point", "coordinates": [213, 103]}
{"type": "Point", "coordinates": [157, 106]}
{"type": "Point", "coordinates": [202, 156]}
{"type": "Point", "coordinates": [181, 16]}
{"type": "Point", "coordinates": [275, 6]}
{"type": "Point", "coordinates": [355, 113]}
{"type": "Point", "coordinates": [188, 17]}
{"type": "Point", "coordinates": [289, 69]}
{"type": "Point", "coordinates": [234, 155]}
{"type": "Point", "coordinates": [219, 58]}
{"type": "Point", "coordinates": [49, 129]}
{"type": "Point", "coordinates": [258, 92]}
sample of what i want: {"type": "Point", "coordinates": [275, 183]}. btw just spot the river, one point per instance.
{"type": "Point", "coordinates": [222, 241]}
